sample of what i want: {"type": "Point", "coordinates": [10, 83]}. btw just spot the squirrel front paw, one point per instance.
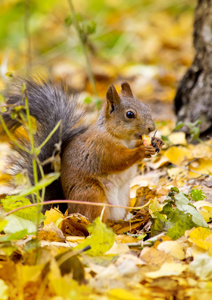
{"type": "Point", "coordinates": [147, 151]}
{"type": "Point", "coordinates": [157, 144]}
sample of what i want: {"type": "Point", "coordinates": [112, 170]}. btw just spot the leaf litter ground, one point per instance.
{"type": "Point", "coordinates": [162, 251]}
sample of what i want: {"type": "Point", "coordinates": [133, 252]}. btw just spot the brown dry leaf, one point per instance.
{"type": "Point", "coordinates": [143, 195]}
{"type": "Point", "coordinates": [51, 232]}
{"type": "Point", "coordinates": [154, 257]}
{"type": "Point", "coordinates": [129, 226]}
{"type": "Point", "coordinates": [123, 238]}
{"type": "Point", "coordinates": [76, 225]}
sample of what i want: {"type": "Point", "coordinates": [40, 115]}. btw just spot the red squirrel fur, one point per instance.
{"type": "Point", "coordinates": [98, 162]}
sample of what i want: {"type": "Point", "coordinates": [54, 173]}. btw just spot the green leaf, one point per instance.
{"type": "Point", "coordinates": [16, 224]}
{"type": "Point", "coordinates": [100, 240]}
{"type": "Point", "coordinates": [179, 126]}
{"type": "Point", "coordinates": [159, 221]}
{"type": "Point", "coordinates": [31, 213]}
{"type": "Point", "coordinates": [165, 139]}
{"type": "Point", "coordinates": [177, 216]}
{"type": "Point", "coordinates": [87, 100]}
{"type": "Point", "coordinates": [178, 228]}
{"type": "Point", "coordinates": [175, 189]}
{"type": "Point", "coordinates": [45, 181]}
{"type": "Point", "coordinates": [183, 204]}
{"type": "Point", "coordinates": [196, 216]}
{"type": "Point", "coordinates": [197, 195]}
{"type": "Point", "coordinates": [91, 27]}
{"type": "Point", "coordinates": [181, 199]}
{"type": "Point", "coordinates": [14, 236]}
{"type": "Point", "coordinates": [194, 132]}
{"type": "Point", "coordinates": [68, 20]}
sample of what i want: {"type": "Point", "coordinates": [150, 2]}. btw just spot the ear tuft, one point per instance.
{"type": "Point", "coordinates": [113, 99]}
{"type": "Point", "coordinates": [126, 90]}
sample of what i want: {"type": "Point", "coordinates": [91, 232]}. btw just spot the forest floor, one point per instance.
{"type": "Point", "coordinates": [164, 249]}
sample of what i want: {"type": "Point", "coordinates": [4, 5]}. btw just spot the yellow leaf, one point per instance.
{"type": "Point", "coordinates": [28, 273]}
{"type": "Point", "coordinates": [116, 294]}
{"type": "Point", "coordinates": [201, 150]}
{"type": "Point", "coordinates": [172, 247]}
{"type": "Point", "coordinates": [157, 162]}
{"type": "Point", "coordinates": [168, 269]}
{"type": "Point", "coordinates": [178, 138]}
{"type": "Point", "coordinates": [155, 206]}
{"type": "Point", "coordinates": [177, 172]}
{"type": "Point", "coordinates": [202, 166]}
{"type": "Point", "coordinates": [51, 232]}
{"type": "Point", "coordinates": [118, 249]}
{"type": "Point", "coordinates": [202, 237]}
{"type": "Point", "coordinates": [205, 209]}
{"type": "Point", "coordinates": [177, 155]}
{"type": "Point", "coordinates": [70, 289]}
{"type": "Point", "coordinates": [133, 191]}
{"type": "Point", "coordinates": [52, 215]}
{"type": "Point", "coordinates": [3, 290]}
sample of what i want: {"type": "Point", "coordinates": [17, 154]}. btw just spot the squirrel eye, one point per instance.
{"type": "Point", "coordinates": [130, 114]}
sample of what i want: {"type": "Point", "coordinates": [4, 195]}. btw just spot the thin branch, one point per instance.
{"type": "Point", "coordinates": [78, 202]}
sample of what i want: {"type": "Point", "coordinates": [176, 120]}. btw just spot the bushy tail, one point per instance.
{"type": "Point", "coordinates": [49, 103]}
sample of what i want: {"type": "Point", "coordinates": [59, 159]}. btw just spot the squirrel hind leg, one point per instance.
{"type": "Point", "coordinates": [88, 194]}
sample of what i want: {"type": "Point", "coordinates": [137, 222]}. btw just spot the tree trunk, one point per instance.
{"type": "Point", "coordinates": [193, 100]}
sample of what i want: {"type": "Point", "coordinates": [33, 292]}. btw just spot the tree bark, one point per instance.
{"type": "Point", "coordinates": [193, 100]}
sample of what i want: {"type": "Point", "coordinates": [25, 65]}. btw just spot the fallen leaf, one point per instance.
{"type": "Point", "coordinates": [202, 266]}
{"type": "Point", "coordinates": [3, 290]}
{"type": "Point", "coordinates": [168, 269]}
{"type": "Point", "coordinates": [100, 240]}
{"type": "Point", "coordinates": [173, 248]}
{"type": "Point", "coordinates": [51, 232]}
{"type": "Point", "coordinates": [176, 155]}
{"type": "Point", "coordinates": [52, 215]}
{"type": "Point", "coordinates": [202, 237]}
{"type": "Point", "coordinates": [155, 257]}
{"type": "Point", "coordinates": [200, 167]}
{"type": "Point", "coordinates": [178, 138]}
{"type": "Point", "coordinates": [205, 209]}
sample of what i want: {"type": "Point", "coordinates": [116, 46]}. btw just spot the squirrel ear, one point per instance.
{"type": "Point", "coordinates": [126, 90]}
{"type": "Point", "coordinates": [113, 99]}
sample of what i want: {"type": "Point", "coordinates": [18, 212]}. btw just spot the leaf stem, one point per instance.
{"type": "Point", "coordinates": [34, 165]}
{"type": "Point", "coordinates": [83, 46]}
{"type": "Point", "coordinates": [49, 136]}
{"type": "Point", "coordinates": [11, 136]}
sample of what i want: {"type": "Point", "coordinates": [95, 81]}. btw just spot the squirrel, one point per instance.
{"type": "Point", "coordinates": [97, 161]}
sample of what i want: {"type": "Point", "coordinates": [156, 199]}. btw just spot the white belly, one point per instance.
{"type": "Point", "coordinates": [117, 188]}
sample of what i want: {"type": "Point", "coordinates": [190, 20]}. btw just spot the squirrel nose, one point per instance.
{"type": "Point", "coordinates": [151, 128]}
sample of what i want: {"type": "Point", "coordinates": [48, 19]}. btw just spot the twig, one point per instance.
{"type": "Point", "coordinates": [78, 202]}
